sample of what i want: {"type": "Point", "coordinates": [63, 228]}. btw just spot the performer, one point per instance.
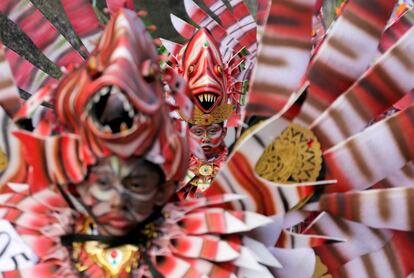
{"type": "Point", "coordinates": [99, 199]}
{"type": "Point", "coordinates": [216, 62]}
{"type": "Point", "coordinates": [313, 169]}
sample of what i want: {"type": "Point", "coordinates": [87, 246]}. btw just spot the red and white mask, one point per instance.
{"type": "Point", "coordinates": [200, 64]}
{"type": "Point", "coordinates": [203, 69]}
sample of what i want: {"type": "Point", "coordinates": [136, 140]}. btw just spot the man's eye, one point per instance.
{"type": "Point", "coordinates": [133, 184]}
{"type": "Point", "coordinates": [103, 184]}
{"type": "Point", "coordinates": [102, 181]}
{"type": "Point", "coordinates": [197, 132]}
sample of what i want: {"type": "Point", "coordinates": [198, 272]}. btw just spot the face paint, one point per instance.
{"type": "Point", "coordinates": [210, 138]}
{"type": "Point", "coordinates": [121, 193]}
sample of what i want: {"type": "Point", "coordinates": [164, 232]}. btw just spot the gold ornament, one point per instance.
{"type": "Point", "coordinates": [294, 156]}
{"type": "Point", "coordinates": [206, 170]}
{"type": "Point", "coordinates": [113, 261]}
{"type": "Point", "coordinates": [3, 161]}
{"type": "Point", "coordinates": [218, 115]}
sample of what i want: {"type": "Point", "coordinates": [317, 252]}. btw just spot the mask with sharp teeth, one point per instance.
{"type": "Point", "coordinates": [112, 112]}
{"type": "Point", "coordinates": [115, 100]}
{"type": "Point", "coordinates": [209, 80]}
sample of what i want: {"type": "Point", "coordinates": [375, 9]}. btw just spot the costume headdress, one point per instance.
{"type": "Point", "coordinates": [112, 104]}
{"type": "Point", "coordinates": [216, 60]}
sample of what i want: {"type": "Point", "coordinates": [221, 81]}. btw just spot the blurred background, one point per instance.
{"type": "Point", "coordinates": [159, 13]}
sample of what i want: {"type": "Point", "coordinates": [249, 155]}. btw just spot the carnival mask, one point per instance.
{"type": "Point", "coordinates": [114, 99]}
{"type": "Point", "coordinates": [203, 68]}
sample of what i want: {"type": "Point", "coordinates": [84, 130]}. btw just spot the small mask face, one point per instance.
{"type": "Point", "coordinates": [210, 137]}
{"type": "Point", "coordinates": [122, 193]}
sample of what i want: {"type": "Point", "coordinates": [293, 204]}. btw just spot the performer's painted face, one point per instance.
{"type": "Point", "coordinates": [209, 137]}
{"type": "Point", "coordinates": [122, 193]}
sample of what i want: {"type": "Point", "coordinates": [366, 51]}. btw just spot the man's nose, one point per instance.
{"type": "Point", "coordinates": [116, 199]}
{"type": "Point", "coordinates": [205, 137]}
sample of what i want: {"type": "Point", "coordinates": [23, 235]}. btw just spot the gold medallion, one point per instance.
{"type": "Point", "coordinates": [206, 170]}
{"type": "Point", "coordinates": [294, 156]}
{"type": "Point", "coordinates": [114, 261]}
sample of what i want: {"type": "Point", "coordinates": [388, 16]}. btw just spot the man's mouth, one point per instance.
{"type": "Point", "coordinates": [116, 221]}
{"type": "Point", "coordinates": [206, 148]}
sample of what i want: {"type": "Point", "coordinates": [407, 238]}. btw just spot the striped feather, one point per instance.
{"type": "Point", "coordinates": [394, 260]}
{"type": "Point", "coordinates": [282, 58]}
{"type": "Point", "coordinates": [264, 256]}
{"type": "Point", "coordinates": [40, 270]}
{"type": "Point", "coordinates": [238, 22]}
{"type": "Point", "coordinates": [226, 42]}
{"type": "Point", "coordinates": [361, 161]}
{"type": "Point", "coordinates": [298, 263]}
{"type": "Point", "coordinates": [55, 159]}
{"type": "Point", "coordinates": [26, 75]}
{"type": "Point", "coordinates": [386, 82]}
{"type": "Point", "coordinates": [392, 210]}
{"type": "Point", "coordinates": [9, 94]}
{"type": "Point", "coordinates": [396, 30]}
{"type": "Point", "coordinates": [344, 55]}
{"type": "Point", "coordinates": [185, 29]}
{"type": "Point", "coordinates": [212, 221]}
{"type": "Point", "coordinates": [262, 11]}
{"type": "Point", "coordinates": [358, 239]}
{"type": "Point", "coordinates": [290, 240]}
{"type": "Point", "coordinates": [171, 266]}
{"type": "Point", "coordinates": [205, 247]}
{"type": "Point", "coordinates": [115, 5]}
{"type": "Point", "coordinates": [84, 21]}
{"type": "Point", "coordinates": [211, 269]}
{"type": "Point", "coordinates": [46, 38]}
{"type": "Point", "coordinates": [172, 47]}
{"type": "Point", "coordinates": [401, 178]}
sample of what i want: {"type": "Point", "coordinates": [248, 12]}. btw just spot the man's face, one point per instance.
{"type": "Point", "coordinates": [209, 137]}
{"type": "Point", "coordinates": [122, 193]}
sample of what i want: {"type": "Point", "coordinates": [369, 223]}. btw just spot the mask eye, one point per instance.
{"type": "Point", "coordinates": [219, 70]}
{"type": "Point", "coordinates": [149, 70]}
{"type": "Point", "coordinates": [190, 70]}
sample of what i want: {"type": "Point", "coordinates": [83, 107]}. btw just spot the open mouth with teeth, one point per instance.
{"type": "Point", "coordinates": [112, 112]}
{"type": "Point", "coordinates": [207, 100]}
